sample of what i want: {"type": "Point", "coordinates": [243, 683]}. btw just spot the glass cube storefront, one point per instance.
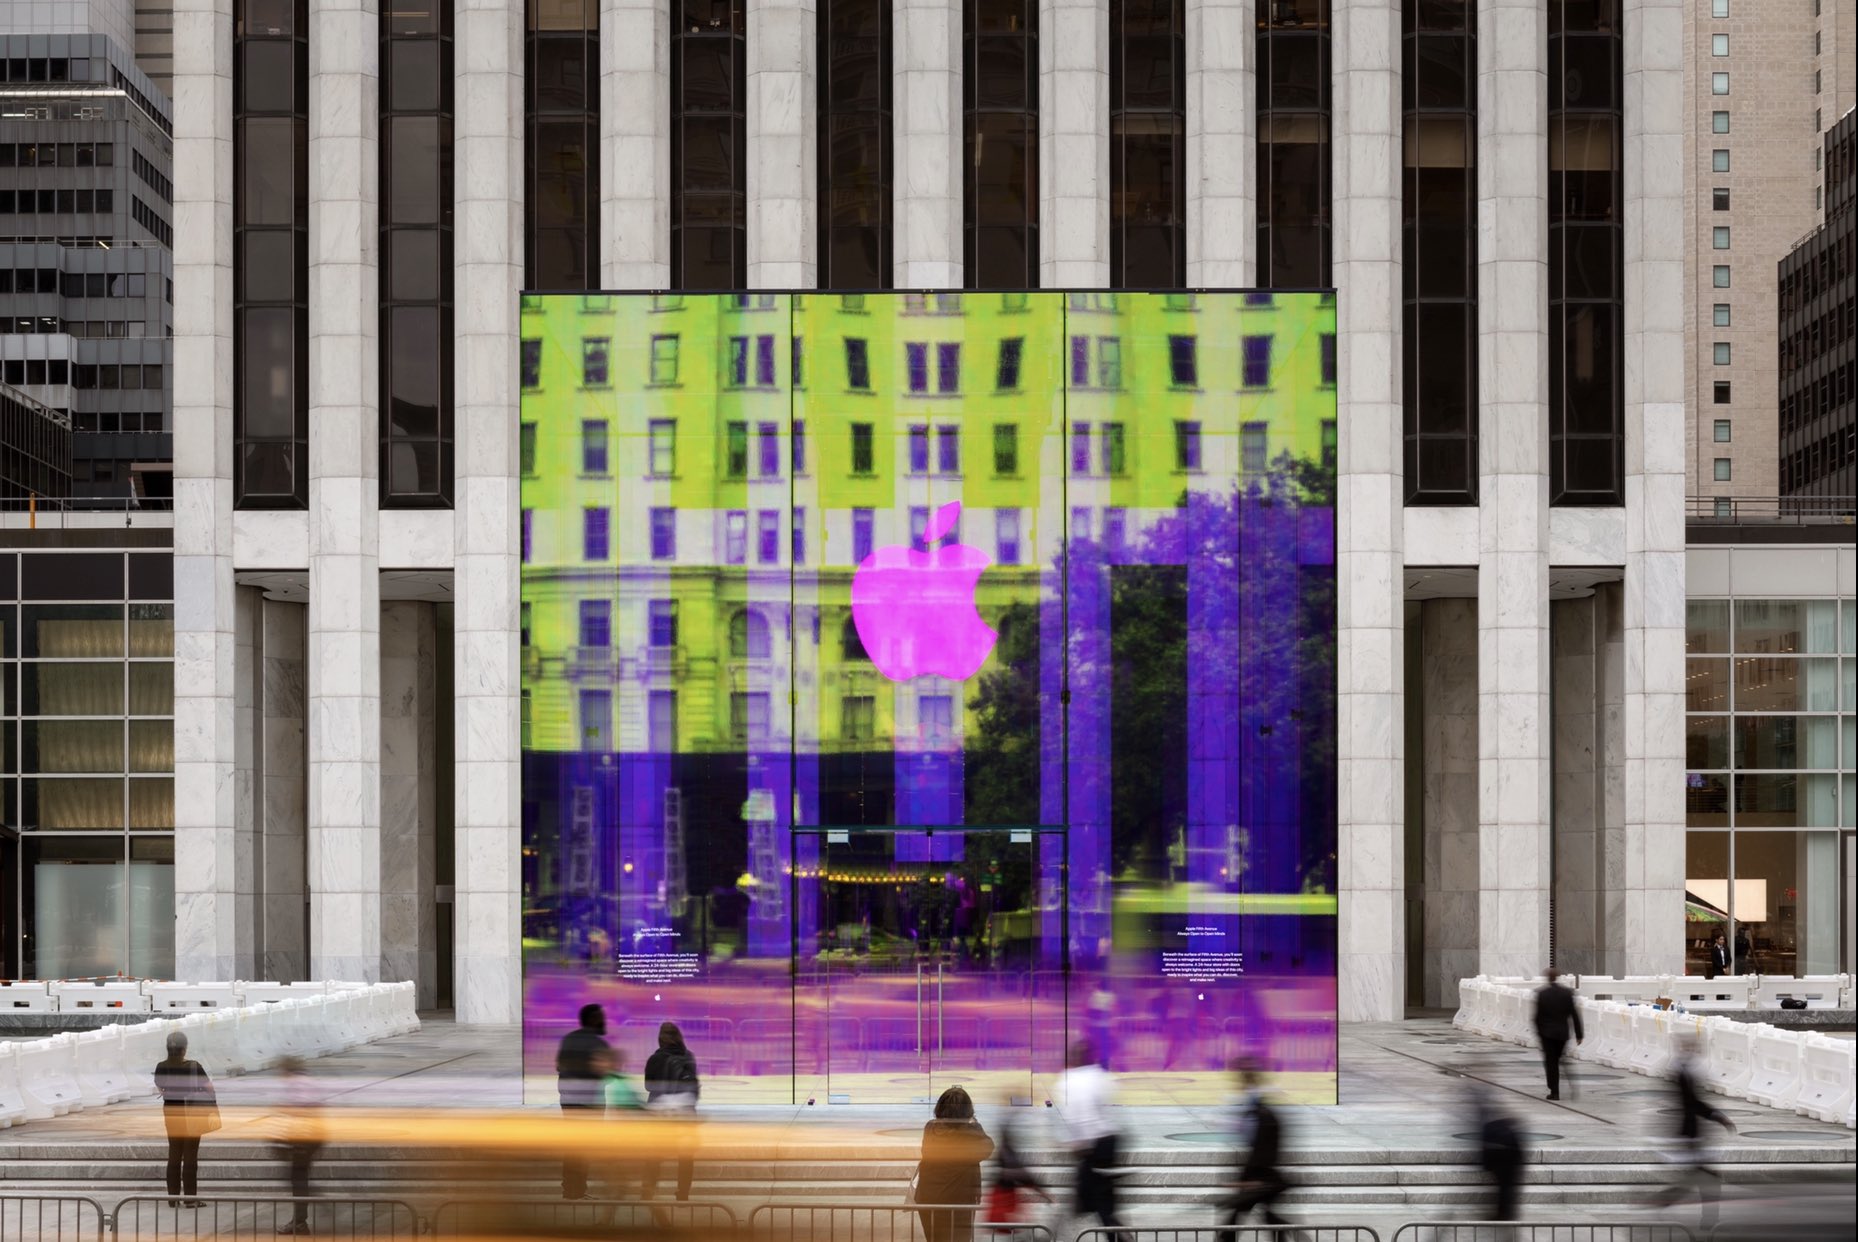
{"type": "Point", "coordinates": [914, 684]}
{"type": "Point", "coordinates": [86, 763]}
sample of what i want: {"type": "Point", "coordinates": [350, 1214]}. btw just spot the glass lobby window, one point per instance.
{"type": "Point", "coordinates": [270, 199]}
{"type": "Point", "coordinates": [709, 143]}
{"type": "Point", "coordinates": [1293, 182]}
{"type": "Point", "coordinates": [1148, 134]}
{"type": "Point", "coordinates": [561, 145]}
{"type": "Point", "coordinates": [1439, 196]}
{"type": "Point", "coordinates": [1586, 397]}
{"type": "Point", "coordinates": [855, 145]}
{"type": "Point", "coordinates": [1000, 169]}
{"type": "Point", "coordinates": [416, 254]}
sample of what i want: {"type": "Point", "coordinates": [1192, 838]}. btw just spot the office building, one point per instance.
{"type": "Point", "coordinates": [1818, 335]}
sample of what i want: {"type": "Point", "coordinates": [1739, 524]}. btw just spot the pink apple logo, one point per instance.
{"type": "Point", "coordinates": [915, 610]}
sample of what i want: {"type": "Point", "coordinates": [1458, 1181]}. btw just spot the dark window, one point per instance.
{"type": "Point", "coordinates": [1257, 362]}
{"type": "Point", "coordinates": [1183, 366]}
{"type": "Point", "coordinates": [1148, 134]}
{"type": "Point", "coordinates": [1293, 181]}
{"type": "Point", "coordinates": [855, 146]}
{"type": "Point", "coordinates": [857, 364]}
{"type": "Point", "coordinates": [561, 145]}
{"type": "Point", "coordinates": [1720, 392]}
{"type": "Point", "coordinates": [271, 254]}
{"type": "Point", "coordinates": [593, 361]}
{"type": "Point", "coordinates": [596, 623]}
{"type": "Point", "coordinates": [864, 524]}
{"type": "Point", "coordinates": [1439, 218]}
{"type": "Point", "coordinates": [1719, 200]}
{"type": "Point", "coordinates": [596, 522]}
{"type": "Point", "coordinates": [664, 534]}
{"type": "Point", "coordinates": [861, 448]}
{"type": "Point", "coordinates": [735, 460]}
{"type": "Point", "coordinates": [1586, 272]}
{"type": "Point", "coordinates": [1000, 196]}
{"type": "Point", "coordinates": [1006, 376]}
{"type": "Point", "coordinates": [416, 255]}
{"type": "Point", "coordinates": [1006, 448]}
{"type": "Point", "coordinates": [531, 364]}
{"type": "Point", "coordinates": [1186, 445]}
{"type": "Point", "coordinates": [593, 446]}
{"type": "Point", "coordinates": [1328, 359]}
{"type": "Point", "coordinates": [709, 166]}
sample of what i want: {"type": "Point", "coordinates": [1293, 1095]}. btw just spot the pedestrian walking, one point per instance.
{"type": "Point", "coordinates": [189, 1112]}
{"type": "Point", "coordinates": [1500, 1154]}
{"type": "Point", "coordinates": [1013, 1176]}
{"type": "Point", "coordinates": [300, 1139]}
{"type": "Point", "coordinates": [1556, 1017]}
{"type": "Point", "coordinates": [671, 1090]}
{"type": "Point", "coordinates": [1085, 1094]}
{"type": "Point", "coordinates": [1261, 1178]}
{"type": "Point", "coordinates": [1692, 1155]}
{"type": "Point", "coordinates": [949, 1172]}
{"type": "Point", "coordinates": [580, 1071]}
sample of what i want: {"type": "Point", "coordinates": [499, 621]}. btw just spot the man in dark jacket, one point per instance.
{"type": "Point", "coordinates": [1261, 1180]}
{"type": "Point", "coordinates": [1555, 1015]}
{"type": "Point", "coordinates": [581, 1063]}
{"type": "Point", "coordinates": [1692, 1111]}
{"type": "Point", "coordinates": [1720, 963]}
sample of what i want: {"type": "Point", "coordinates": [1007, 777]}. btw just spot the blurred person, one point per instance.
{"type": "Point", "coordinates": [954, 1144]}
{"type": "Point", "coordinates": [189, 1112]}
{"type": "Point", "coordinates": [1744, 951]}
{"type": "Point", "coordinates": [1086, 1093]}
{"type": "Point", "coordinates": [1556, 1015]}
{"type": "Point", "coordinates": [1500, 1152]}
{"type": "Point", "coordinates": [1720, 962]}
{"type": "Point", "coordinates": [671, 1090]}
{"type": "Point", "coordinates": [622, 1101]}
{"type": "Point", "coordinates": [1261, 1136]}
{"type": "Point", "coordinates": [1013, 1176]}
{"type": "Point", "coordinates": [1691, 1155]}
{"type": "Point", "coordinates": [580, 1063]}
{"type": "Point", "coordinates": [300, 1138]}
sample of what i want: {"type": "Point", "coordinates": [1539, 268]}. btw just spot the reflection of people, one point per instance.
{"type": "Point", "coordinates": [1719, 963]}
{"type": "Point", "coordinates": [950, 1170]}
{"type": "Point", "coordinates": [1085, 1092]}
{"type": "Point", "coordinates": [672, 1088]}
{"type": "Point", "coordinates": [1013, 1176]}
{"type": "Point", "coordinates": [579, 1069]}
{"type": "Point", "coordinates": [1744, 951]}
{"type": "Point", "coordinates": [189, 1112]}
{"type": "Point", "coordinates": [1555, 1015]}
{"type": "Point", "coordinates": [1261, 1181]}
{"type": "Point", "coordinates": [300, 1140]}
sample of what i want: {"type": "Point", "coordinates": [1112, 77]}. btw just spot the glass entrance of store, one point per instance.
{"type": "Point", "coordinates": [926, 966]}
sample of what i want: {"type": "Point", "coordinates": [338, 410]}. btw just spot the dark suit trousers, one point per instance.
{"type": "Point", "coordinates": [183, 1166]}
{"type": "Point", "coordinates": [1551, 1061]}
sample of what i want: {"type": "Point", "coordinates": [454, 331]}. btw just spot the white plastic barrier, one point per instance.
{"type": "Point", "coordinates": [101, 1076]}
{"type": "Point", "coordinates": [273, 993]}
{"type": "Point", "coordinates": [213, 1040]}
{"type": "Point", "coordinates": [144, 1045]}
{"type": "Point", "coordinates": [48, 1077]}
{"type": "Point", "coordinates": [1730, 1055]}
{"type": "Point", "coordinates": [1652, 1031]}
{"type": "Point", "coordinates": [191, 997]}
{"type": "Point", "coordinates": [1776, 1077]}
{"type": "Point", "coordinates": [1827, 1069]}
{"type": "Point", "coordinates": [124, 995]}
{"type": "Point", "coordinates": [405, 1008]}
{"type": "Point", "coordinates": [1626, 988]}
{"type": "Point", "coordinates": [257, 1036]}
{"type": "Point", "coordinates": [288, 1022]}
{"type": "Point", "coordinates": [27, 997]}
{"type": "Point", "coordinates": [1615, 1043]}
{"type": "Point", "coordinates": [1818, 991]}
{"type": "Point", "coordinates": [12, 1099]}
{"type": "Point", "coordinates": [1728, 992]}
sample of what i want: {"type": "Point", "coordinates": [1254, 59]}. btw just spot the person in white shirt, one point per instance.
{"type": "Point", "coordinates": [1085, 1094]}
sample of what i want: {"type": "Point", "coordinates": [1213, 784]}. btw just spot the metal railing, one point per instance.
{"type": "Point", "coordinates": [54, 1218]}
{"type": "Point", "coordinates": [157, 1218]}
{"type": "Point", "coordinates": [1774, 510]}
{"type": "Point", "coordinates": [1519, 1231]}
{"type": "Point", "coordinates": [1232, 1233]}
{"type": "Point", "coordinates": [556, 1218]}
{"type": "Point", "coordinates": [858, 1222]}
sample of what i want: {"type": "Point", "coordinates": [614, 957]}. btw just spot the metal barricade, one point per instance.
{"type": "Point", "coordinates": [1230, 1233]}
{"type": "Point", "coordinates": [580, 1218]}
{"type": "Point", "coordinates": [861, 1222]}
{"type": "Point", "coordinates": [1519, 1231]}
{"type": "Point", "coordinates": [54, 1218]}
{"type": "Point", "coordinates": [156, 1218]}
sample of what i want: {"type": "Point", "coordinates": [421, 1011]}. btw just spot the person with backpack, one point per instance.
{"type": "Point", "coordinates": [671, 1090]}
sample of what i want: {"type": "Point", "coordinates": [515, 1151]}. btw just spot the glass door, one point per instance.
{"type": "Point", "coordinates": [924, 955]}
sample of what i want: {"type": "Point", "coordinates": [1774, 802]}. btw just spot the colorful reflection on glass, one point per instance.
{"type": "Point", "coordinates": [765, 535]}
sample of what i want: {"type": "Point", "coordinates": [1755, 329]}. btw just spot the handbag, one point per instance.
{"type": "Point", "coordinates": [916, 1177]}
{"type": "Point", "coordinates": [209, 1118]}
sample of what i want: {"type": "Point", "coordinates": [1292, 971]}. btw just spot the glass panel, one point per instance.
{"type": "Point", "coordinates": [151, 907]}
{"type": "Point", "coordinates": [151, 688]}
{"type": "Point", "coordinates": [77, 689]}
{"type": "Point", "coordinates": [1786, 902]}
{"type": "Point", "coordinates": [1706, 897]}
{"type": "Point", "coordinates": [151, 630]}
{"type": "Point", "coordinates": [1707, 686]}
{"type": "Point", "coordinates": [1786, 742]}
{"type": "Point", "coordinates": [1706, 800]}
{"type": "Point", "coordinates": [1786, 800]}
{"type": "Point", "coordinates": [1784, 684]}
{"type": "Point", "coordinates": [151, 748]}
{"type": "Point", "coordinates": [72, 804]}
{"type": "Point", "coordinates": [1706, 625]}
{"type": "Point", "coordinates": [71, 746]}
{"type": "Point", "coordinates": [1787, 625]}
{"type": "Point", "coordinates": [1706, 742]}
{"type": "Point", "coordinates": [73, 901]}
{"type": "Point", "coordinates": [71, 631]}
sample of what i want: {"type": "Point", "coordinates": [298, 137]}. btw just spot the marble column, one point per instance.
{"type": "Point", "coordinates": [926, 122]}
{"type": "Point", "coordinates": [1371, 608]}
{"type": "Point", "coordinates": [1448, 802]}
{"type": "Point", "coordinates": [635, 143]}
{"type": "Point", "coordinates": [205, 818]}
{"type": "Point", "coordinates": [1222, 161]}
{"type": "Point", "coordinates": [783, 173]}
{"type": "Point", "coordinates": [281, 796]}
{"type": "Point", "coordinates": [409, 796]}
{"type": "Point", "coordinates": [1512, 342]}
{"type": "Point", "coordinates": [344, 708]}
{"type": "Point", "coordinates": [1651, 937]}
{"type": "Point", "coordinates": [488, 274]}
{"type": "Point", "coordinates": [1074, 143]}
